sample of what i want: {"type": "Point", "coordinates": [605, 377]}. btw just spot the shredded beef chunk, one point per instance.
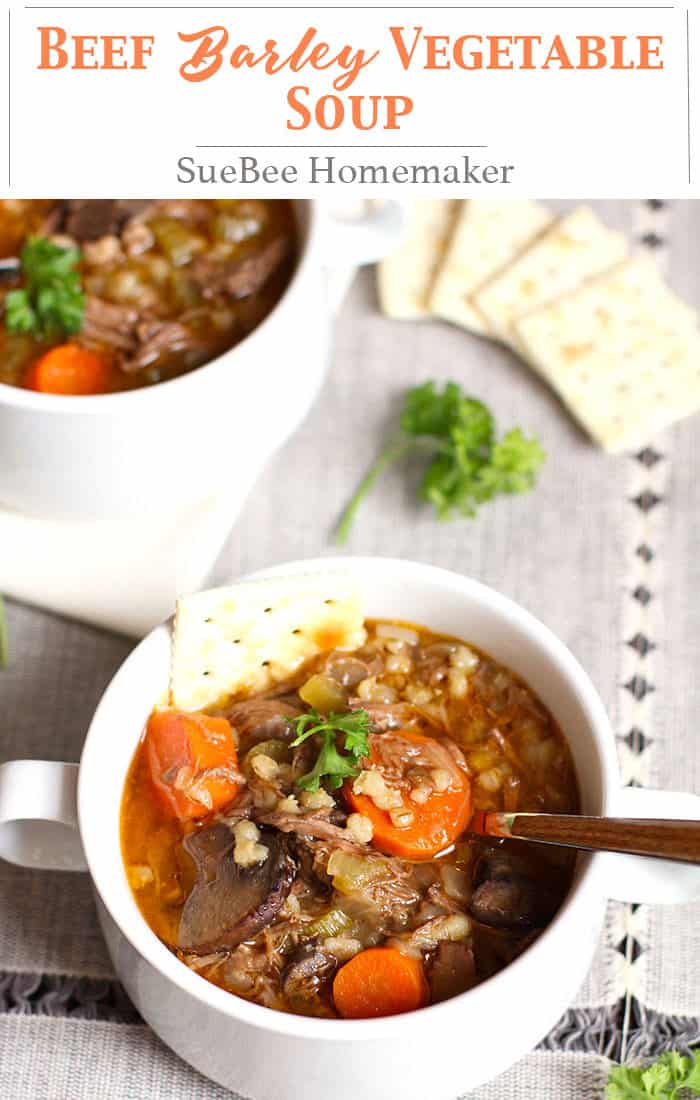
{"type": "Point", "coordinates": [158, 338]}
{"type": "Point", "coordinates": [89, 219]}
{"type": "Point", "coordinates": [312, 860]}
{"type": "Point", "coordinates": [108, 325]}
{"type": "Point", "coordinates": [391, 716]}
{"type": "Point", "coordinates": [135, 342]}
{"type": "Point", "coordinates": [307, 976]}
{"type": "Point", "coordinates": [241, 278]}
{"type": "Point", "coordinates": [312, 825]}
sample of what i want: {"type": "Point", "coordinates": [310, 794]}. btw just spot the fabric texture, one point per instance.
{"type": "Point", "coordinates": [57, 1059]}
{"type": "Point", "coordinates": [605, 551]}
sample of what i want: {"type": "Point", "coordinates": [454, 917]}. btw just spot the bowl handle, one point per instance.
{"type": "Point", "coordinates": [38, 815]}
{"type": "Point", "coordinates": [354, 238]}
{"type": "Point", "coordinates": [638, 878]}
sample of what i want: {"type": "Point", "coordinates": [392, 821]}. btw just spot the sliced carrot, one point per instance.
{"type": "Point", "coordinates": [380, 981]}
{"type": "Point", "coordinates": [70, 370]}
{"type": "Point", "coordinates": [435, 824]}
{"type": "Point", "coordinates": [193, 762]}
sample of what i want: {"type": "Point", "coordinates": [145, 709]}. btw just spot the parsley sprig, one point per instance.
{"type": "Point", "coordinates": [671, 1077]}
{"type": "Point", "coordinates": [51, 303]}
{"type": "Point", "coordinates": [332, 765]}
{"type": "Point", "coordinates": [467, 465]}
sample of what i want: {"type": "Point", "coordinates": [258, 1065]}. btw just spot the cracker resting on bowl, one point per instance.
{"type": "Point", "coordinates": [236, 641]}
{"type": "Point", "coordinates": [576, 248]}
{"type": "Point", "coordinates": [488, 235]}
{"type": "Point", "coordinates": [622, 352]}
{"type": "Point", "coordinates": [405, 278]}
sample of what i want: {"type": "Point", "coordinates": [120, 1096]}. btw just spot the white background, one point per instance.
{"type": "Point", "coordinates": [568, 133]}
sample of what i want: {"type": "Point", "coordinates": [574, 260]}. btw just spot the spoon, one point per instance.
{"type": "Point", "coordinates": [676, 840]}
{"type": "Point", "coordinates": [10, 265]}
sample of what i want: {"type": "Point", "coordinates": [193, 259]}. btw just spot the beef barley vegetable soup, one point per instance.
{"type": "Point", "coordinates": [103, 295]}
{"type": "Point", "coordinates": [305, 848]}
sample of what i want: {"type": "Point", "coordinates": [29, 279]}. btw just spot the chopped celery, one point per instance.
{"type": "Point", "coordinates": [323, 694]}
{"type": "Point", "coordinates": [328, 924]}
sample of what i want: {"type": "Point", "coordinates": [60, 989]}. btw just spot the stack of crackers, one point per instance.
{"type": "Point", "coordinates": [617, 345]}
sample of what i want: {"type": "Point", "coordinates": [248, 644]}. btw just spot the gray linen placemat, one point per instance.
{"type": "Point", "coordinates": [605, 552]}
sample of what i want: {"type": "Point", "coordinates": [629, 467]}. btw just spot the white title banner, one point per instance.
{"type": "Point", "coordinates": [562, 100]}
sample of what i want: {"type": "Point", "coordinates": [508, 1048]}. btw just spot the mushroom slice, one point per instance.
{"type": "Point", "coordinates": [507, 897]}
{"type": "Point", "coordinates": [258, 720]}
{"type": "Point", "coordinates": [229, 903]}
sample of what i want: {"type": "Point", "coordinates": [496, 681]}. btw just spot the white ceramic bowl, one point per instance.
{"type": "Point", "coordinates": [175, 443]}
{"type": "Point", "coordinates": [270, 1055]}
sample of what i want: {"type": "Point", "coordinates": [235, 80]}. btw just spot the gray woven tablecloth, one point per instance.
{"type": "Point", "coordinates": [606, 552]}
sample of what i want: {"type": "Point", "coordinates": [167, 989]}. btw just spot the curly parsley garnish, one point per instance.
{"type": "Point", "coordinates": [51, 303]}
{"type": "Point", "coordinates": [671, 1077]}
{"type": "Point", "coordinates": [331, 765]}
{"type": "Point", "coordinates": [467, 466]}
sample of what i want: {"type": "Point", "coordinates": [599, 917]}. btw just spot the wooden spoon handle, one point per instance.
{"type": "Point", "coordinates": [679, 840]}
